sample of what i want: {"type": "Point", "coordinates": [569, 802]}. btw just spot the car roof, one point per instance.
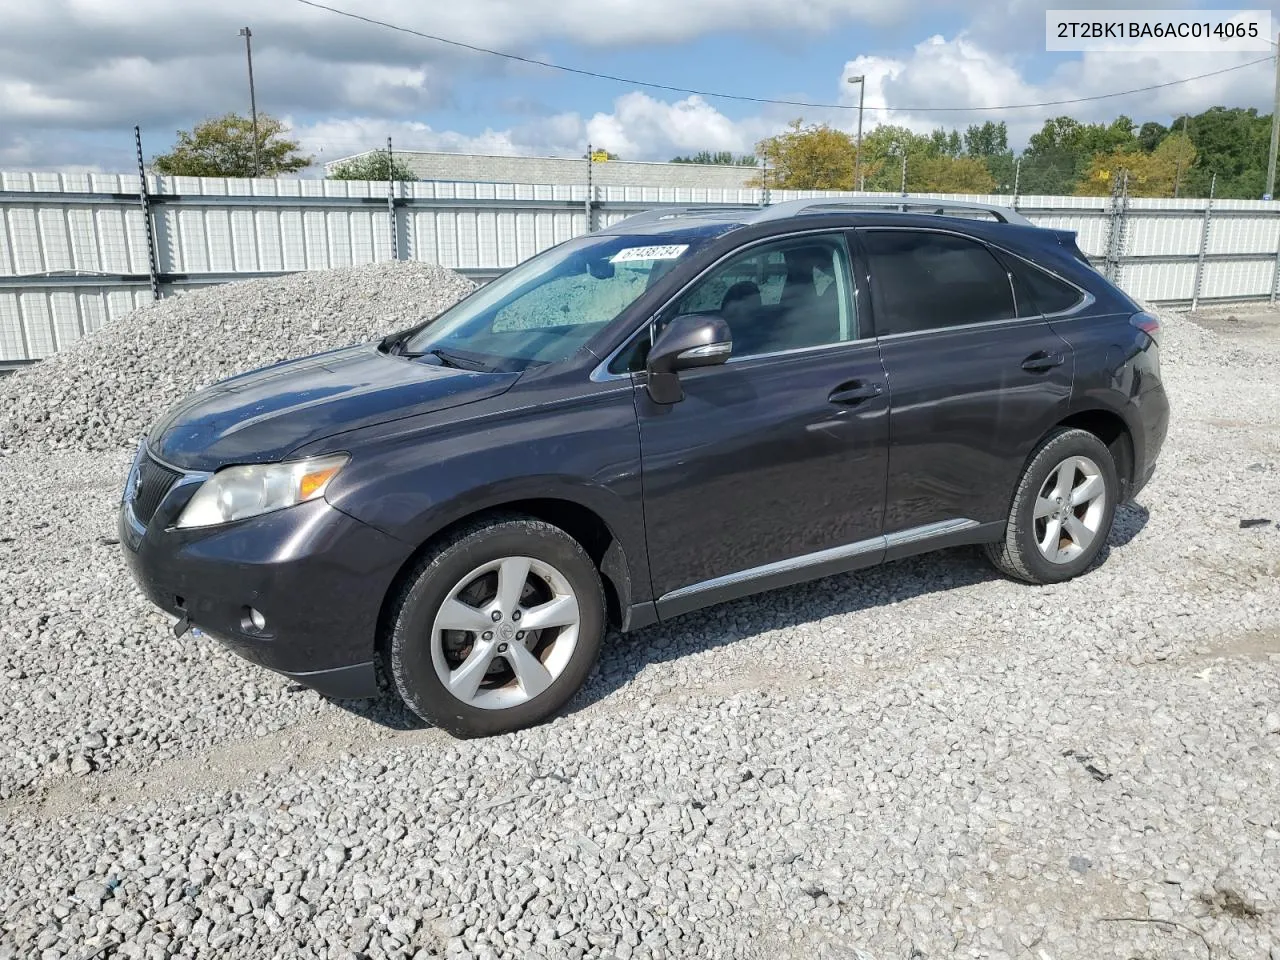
{"type": "Point", "coordinates": [716, 223]}
{"type": "Point", "coordinates": [744, 215]}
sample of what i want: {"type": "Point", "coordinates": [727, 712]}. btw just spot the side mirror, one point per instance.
{"type": "Point", "coordinates": [693, 340]}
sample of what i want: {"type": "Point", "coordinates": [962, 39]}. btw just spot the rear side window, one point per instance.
{"type": "Point", "coordinates": [1040, 292]}
{"type": "Point", "coordinates": [930, 281]}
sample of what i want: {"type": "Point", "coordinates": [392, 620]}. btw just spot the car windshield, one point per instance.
{"type": "Point", "coordinates": [545, 309]}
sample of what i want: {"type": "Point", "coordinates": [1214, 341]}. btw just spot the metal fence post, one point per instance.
{"type": "Point", "coordinates": [145, 199]}
{"type": "Point", "coordinates": [391, 203]}
{"type": "Point", "coordinates": [1275, 275]}
{"type": "Point", "coordinates": [1204, 243]}
{"type": "Point", "coordinates": [1115, 238]}
{"type": "Point", "coordinates": [590, 187]}
{"type": "Point", "coordinates": [1017, 179]}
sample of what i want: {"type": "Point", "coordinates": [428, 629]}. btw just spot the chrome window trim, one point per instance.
{"type": "Point", "coordinates": [601, 372]}
{"type": "Point", "coordinates": [928, 531]}
{"type": "Point", "coordinates": [1087, 299]}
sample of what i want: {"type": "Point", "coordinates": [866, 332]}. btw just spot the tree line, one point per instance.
{"type": "Point", "coordinates": [1064, 157]}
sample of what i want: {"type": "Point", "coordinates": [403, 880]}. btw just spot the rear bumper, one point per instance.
{"type": "Point", "coordinates": [316, 575]}
{"type": "Point", "coordinates": [1153, 413]}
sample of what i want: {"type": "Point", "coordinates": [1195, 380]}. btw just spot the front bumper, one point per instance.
{"type": "Point", "coordinates": [316, 575]}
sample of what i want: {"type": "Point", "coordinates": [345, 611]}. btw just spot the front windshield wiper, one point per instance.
{"type": "Point", "coordinates": [394, 344]}
{"type": "Point", "coordinates": [451, 359]}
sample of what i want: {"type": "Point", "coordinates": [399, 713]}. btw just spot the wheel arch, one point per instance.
{"type": "Point", "coordinates": [579, 521]}
{"type": "Point", "coordinates": [1105, 424]}
{"type": "Point", "coordinates": [1111, 428]}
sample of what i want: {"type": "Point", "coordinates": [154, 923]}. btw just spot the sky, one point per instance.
{"type": "Point", "coordinates": [77, 75]}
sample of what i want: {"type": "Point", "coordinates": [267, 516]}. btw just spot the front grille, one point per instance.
{"type": "Point", "coordinates": [154, 481]}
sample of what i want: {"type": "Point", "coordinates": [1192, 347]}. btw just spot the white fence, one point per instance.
{"type": "Point", "coordinates": [78, 250]}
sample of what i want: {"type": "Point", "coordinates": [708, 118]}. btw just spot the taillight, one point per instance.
{"type": "Point", "coordinates": [1147, 324]}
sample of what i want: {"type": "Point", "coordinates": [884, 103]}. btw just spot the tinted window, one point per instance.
{"type": "Point", "coordinates": [779, 296]}
{"type": "Point", "coordinates": [924, 281]}
{"type": "Point", "coordinates": [1040, 292]}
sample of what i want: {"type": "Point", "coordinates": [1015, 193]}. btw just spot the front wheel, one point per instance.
{"type": "Point", "coordinates": [1062, 511]}
{"type": "Point", "coordinates": [497, 629]}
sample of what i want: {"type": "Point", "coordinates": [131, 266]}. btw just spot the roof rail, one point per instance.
{"type": "Point", "coordinates": [792, 208]}
{"type": "Point", "coordinates": [925, 205]}
{"type": "Point", "coordinates": [675, 211]}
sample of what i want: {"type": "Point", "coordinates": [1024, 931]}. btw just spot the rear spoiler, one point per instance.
{"type": "Point", "coordinates": [1067, 240]}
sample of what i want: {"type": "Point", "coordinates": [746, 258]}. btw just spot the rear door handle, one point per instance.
{"type": "Point", "coordinates": [1042, 361]}
{"type": "Point", "coordinates": [854, 392]}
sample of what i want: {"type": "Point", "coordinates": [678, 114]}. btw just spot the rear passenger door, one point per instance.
{"type": "Point", "coordinates": [974, 381]}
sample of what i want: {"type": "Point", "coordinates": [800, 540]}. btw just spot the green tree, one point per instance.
{"type": "Point", "coordinates": [946, 144]}
{"type": "Point", "coordinates": [1003, 170]}
{"type": "Point", "coordinates": [882, 152]}
{"type": "Point", "coordinates": [1231, 142]}
{"type": "Point", "coordinates": [988, 139]}
{"type": "Point", "coordinates": [1057, 158]}
{"type": "Point", "coordinates": [223, 147]}
{"type": "Point", "coordinates": [720, 158]}
{"type": "Point", "coordinates": [1151, 134]}
{"type": "Point", "coordinates": [1148, 174]}
{"type": "Point", "coordinates": [375, 165]}
{"type": "Point", "coordinates": [813, 157]}
{"type": "Point", "coordinates": [947, 174]}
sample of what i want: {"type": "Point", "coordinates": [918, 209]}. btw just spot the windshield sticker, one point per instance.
{"type": "Point", "coordinates": [670, 252]}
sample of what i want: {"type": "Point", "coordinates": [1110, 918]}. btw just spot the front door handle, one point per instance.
{"type": "Point", "coordinates": [854, 392]}
{"type": "Point", "coordinates": [1042, 360]}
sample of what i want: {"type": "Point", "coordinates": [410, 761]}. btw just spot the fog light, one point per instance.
{"type": "Point", "coordinates": [252, 620]}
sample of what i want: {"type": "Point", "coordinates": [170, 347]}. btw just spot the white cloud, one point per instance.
{"type": "Point", "coordinates": [961, 72]}
{"type": "Point", "coordinates": [643, 127]}
{"type": "Point", "coordinates": [331, 140]}
{"type": "Point", "coordinates": [72, 67]}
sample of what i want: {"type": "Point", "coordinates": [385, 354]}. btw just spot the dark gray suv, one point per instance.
{"type": "Point", "coordinates": [690, 406]}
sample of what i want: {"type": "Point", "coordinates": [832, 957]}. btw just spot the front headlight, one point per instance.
{"type": "Point", "coordinates": [234, 493]}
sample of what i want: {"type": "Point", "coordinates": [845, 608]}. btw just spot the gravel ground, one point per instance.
{"type": "Point", "coordinates": [919, 761]}
{"type": "Point", "coordinates": [104, 391]}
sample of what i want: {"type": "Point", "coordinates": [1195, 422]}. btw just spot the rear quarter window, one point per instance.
{"type": "Point", "coordinates": [1041, 292]}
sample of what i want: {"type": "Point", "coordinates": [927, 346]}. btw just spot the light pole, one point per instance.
{"type": "Point", "coordinates": [253, 101]}
{"type": "Point", "coordinates": [861, 81]}
{"type": "Point", "coordinates": [1275, 132]}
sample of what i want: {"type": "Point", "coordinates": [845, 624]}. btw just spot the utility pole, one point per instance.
{"type": "Point", "coordinates": [861, 81]}
{"type": "Point", "coordinates": [253, 100]}
{"type": "Point", "coordinates": [1275, 132]}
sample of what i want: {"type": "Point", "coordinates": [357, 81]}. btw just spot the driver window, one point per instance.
{"type": "Point", "coordinates": [779, 296]}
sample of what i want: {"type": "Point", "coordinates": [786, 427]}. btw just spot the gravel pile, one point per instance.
{"type": "Point", "coordinates": [105, 390]}
{"type": "Point", "coordinates": [922, 760]}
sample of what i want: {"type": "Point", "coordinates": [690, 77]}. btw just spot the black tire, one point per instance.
{"type": "Point", "coordinates": [408, 647]}
{"type": "Point", "coordinates": [1018, 554]}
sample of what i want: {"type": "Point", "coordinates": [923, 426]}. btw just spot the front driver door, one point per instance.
{"type": "Point", "coordinates": [772, 468]}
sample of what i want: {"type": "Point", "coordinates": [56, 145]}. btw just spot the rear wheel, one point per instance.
{"type": "Point", "coordinates": [498, 628]}
{"type": "Point", "coordinates": [1062, 511]}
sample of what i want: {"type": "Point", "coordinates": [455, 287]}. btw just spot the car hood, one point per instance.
{"type": "Point", "coordinates": [263, 415]}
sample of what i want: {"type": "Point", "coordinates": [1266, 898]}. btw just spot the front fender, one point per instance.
{"type": "Point", "coordinates": [412, 481]}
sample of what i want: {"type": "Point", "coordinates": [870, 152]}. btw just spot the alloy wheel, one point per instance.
{"type": "Point", "coordinates": [505, 632]}
{"type": "Point", "coordinates": [1070, 509]}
